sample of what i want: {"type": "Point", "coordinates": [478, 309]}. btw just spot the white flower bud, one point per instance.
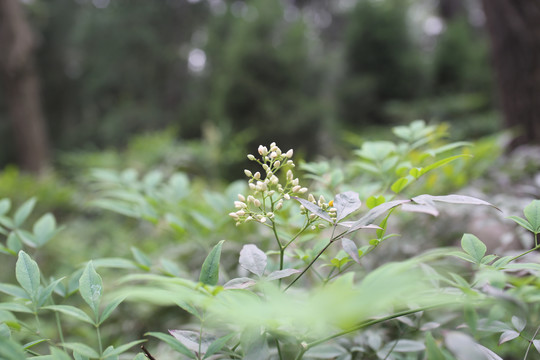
{"type": "Point", "coordinates": [286, 196]}
{"type": "Point", "coordinates": [240, 213]}
{"type": "Point", "coordinates": [278, 151]}
{"type": "Point", "coordinates": [289, 175]}
{"type": "Point", "coordinates": [312, 216]}
{"type": "Point", "coordinates": [234, 215]}
{"type": "Point", "coordinates": [322, 226]}
{"type": "Point", "coordinates": [252, 186]}
{"type": "Point", "coordinates": [273, 155]}
{"type": "Point", "coordinates": [256, 202]}
{"type": "Point", "coordinates": [273, 144]}
{"type": "Point", "coordinates": [311, 198]}
{"type": "Point", "coordinates": [289, 153]}
{"type": "Point", "coordinates": [322, 201]}
{"type": "Point", "coordinates": [262, 150]}
{"type": "Point", "coordinates": [248, 173]}
{"type": "Point", "coordinates": [276, 164]}
{"type": "Point", "coordinates": [265, 167]}
{"type": "Point", "coordinates": [251, 157]}
{"type": "Point", "coordinates": [272, 192]}
{"type": "Point", "coordinates": [241, 197]}
{"type": "Point", "coordinates": [279, 205]}
{"type": "Point", "coordinates": [274, 179]}
{"type": "Point", "coordinates": [250, 198]}
{"type": "Point", "coordinates": [273, 147]}
{"type": "Point", "coordinates": [257, 175]}
{"type": "Point", "coordinates": [296, 188]}
{"type": "Point", "coordinates": [240, 205]}
{"type": "Point", "coordinates": [270, 215]}
{"type": "Point", "coordinates": [263, 219]}
{"type": "Point", "coordinates": [313, 227]}
{"type": "Point", "coordinates": [249, 218]}
{"type": "Point", "coordinates": [280, 188]}
{"type": "Point", "coordinates": [303, 190]}
{"type": "Point", "coordinates": [295, 182]}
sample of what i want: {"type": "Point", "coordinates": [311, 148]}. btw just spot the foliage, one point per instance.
{"type": "Point", "coordinates": [310, 293]}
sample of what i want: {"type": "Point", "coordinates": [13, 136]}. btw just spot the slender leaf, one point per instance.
{"type": "Point", "coordinates": [82, 349]}
{"type": "Point", "coordinates": [173, 343]}
{"type": "Point", "coordinates": [91, 287]}
{"type": "Point", "coordinates": [121, 349]}
{"type": "Point", "coordinates": [351, 249]}
{"type": "Point", "coordinates": [141, 258]}
{"type": "Point", "coordinates": [23, 212]}
{"type": "Point", "coordinates": [217, 345]}
{"type": "Point", "coordinates": [519, 324]}
{"type": "Point", "coordinates": [280, 274]}
{"type": "Point", "coordinates": [532, 213]}
{"type": "Point", "coordinates": [314, 209]}
{"type": "Point", "coordinates": [522, 222]}
{"type": "Point", "coordinates": [27, 274]}
{"type": "Point", "coordinates": [210, 268]}
{"type": "Point", "coordinates": [451, 199]}
{"type": "Point", "coordinates": [109, 309]}
{"type": "Point", "coordinates": [346, 203]}
{"type": "Point", "coordinates": [44, 294]}
{"type": "Point", "coordinates": [507, 336]}
{"type": "Point", "coordinates": [239, 283]}
{"type": "Point", "coordinates": [375, 213]}
{"type": "Point", "coordinates": [9, 350]}
{"type": "Point", "coordinates": [253, 259]}
{"type": "Point", "coordinates": [5, 205]}
{"type": "Point", "coordinates": [71, 311]}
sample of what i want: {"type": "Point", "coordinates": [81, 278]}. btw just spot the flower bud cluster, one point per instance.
{"type": "Point", "coordinates": [267, 190]}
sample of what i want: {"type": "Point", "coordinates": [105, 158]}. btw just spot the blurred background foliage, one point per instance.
{"type": "Point", "coordinates": [235, 74]}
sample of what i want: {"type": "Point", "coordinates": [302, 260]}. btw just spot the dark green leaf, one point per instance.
{"type": "Point", "coordinates": [210, 268]}
{"type": "Point", "coordinates": [44, 294]}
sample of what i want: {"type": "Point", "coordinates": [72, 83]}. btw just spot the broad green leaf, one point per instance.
{"type": "Point", "coordinates": [23, 212]}
{"type": "Point", "coordinates": [44, 229]}
{"type": "Point", "coordinates": [373, 201]}
{"type": "Point", "coordinates": [376, 150]}
{"type": "Point", "coordinates": [400, 184]}
{"type": "Point", "coordinates": [346, 203]}
{"type": "Point", "coordinates": [142, 259]}
{"type": "Point", "coordinates": [173, 343]}
{"type": "Point", "coordinates": [71, 311]}
{"type": "Point", "coordinates": [109, 309]}
{"type": "Point", "coordinates": [27, 237]}
{"type": "Point", "coordinates": [432, 350]}
{"type": "Point", "coordinates": [473, 246]}
{"type": "Point", "coordinates": [14, 243]}
{"type": "Point", "coordinates": [217, 345]}
{"type": "Point", "coordinates": [522, 222]}
{"type": "Point", "coordinates": [210, 268]}
{"type": "Point", "coordinates": [91, 287]}
{"type": "Point", "coordinates": [5, 205]}
{"type": "Point", "coordinates": [314, 209]}
{"type": "Point", "coordinates": [253, 259]}
{"type": "Point", "coordinates": [110, 351]}
{"type": "Point", "coordinates": [532, 213]}
{"type": "Point", "coordinates": [27, 274]}
{"type": "Point", "coordinates": [82, 349]}
{"type": "Point", "coordinates": [9, 350]}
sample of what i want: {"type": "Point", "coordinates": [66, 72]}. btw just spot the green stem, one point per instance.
{"type": "Point", "coordinates": [526, 252]}
{"type": "Point", "coordinates": [99, 340]}
{"type": "Point", "coordinates": [332, 239]}
{"type": "Point", "coordinates": [531, 342]}
{"type": "Point", "coordinates": [59, 327]}
{"type": "Point", "coordinates": [279, 350]}
{"type": "Point", "coordinates": [373, 322]}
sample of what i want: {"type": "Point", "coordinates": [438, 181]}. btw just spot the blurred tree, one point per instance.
{"type": "Point", "coordinates": [21, 86]}
{"type": "Point", "coordinates": [514, 28]}
{"type": "Point", "coordinates": [381, 62]}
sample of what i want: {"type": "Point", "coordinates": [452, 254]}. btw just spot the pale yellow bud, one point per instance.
{"type": "Point", "coordinates": [251, 157]}
{"type": "Point", "coordinates": [257, 202]}
{"type": "Point", "coordinates": [311, 198]}
{"type": "Point", "coordinates": [277, 163]}
{"type": "Point", "coordinates": [248, 173]}
{"type": "Point", "coordinates": [296, 188]}
{"type": "Point", "coordinates": [257, 175]}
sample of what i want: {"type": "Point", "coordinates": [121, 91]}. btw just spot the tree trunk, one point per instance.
{"type": "Point", "coordinates": [514, 28]}
{"type": "Point", "coordinates": [21, 86]}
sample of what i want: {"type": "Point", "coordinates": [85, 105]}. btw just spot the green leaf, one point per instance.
{"type": "Point", "coordinates": [15, 307]}
{"type": "Point", "coordinates": [44, 229]}
{"type": "Point", "coordinates": [34, 343]}
{"type": "Point", "coordinates": [114, 263]}
{"type": "Point", "coordinates": [473, 246]}
{"type": "Point", "coordinates": [432, 350]}
{"type": "Point", "coordinates": [173, 343]}
{"type": "Point", "coordinates": [5, 205]}
{"type": "Point", "coordinates": [58, 354]}
{"type": "Point", "coordinates": [532, 213]}
{"type": "Point", "coordinates": [500, 263]}
{"type": "Point", "coordinates": [142, 259]}
{"type": "Point", "coordinates": [210, 268]}
{"type": "Point", "coordinates": [27, 274]}
{"type": "Point", "coordinates": [14, 243]}
{"type": "Point", "coordinates": [71, 311]}
{"type": "Point", "coordinates": [109, 309]}
{"type": "Point", "coordinates": [400, 184]}
{"type": "Point", "coordinates": [373, 201]}
{"type": "Point", "coordinates": [91, 287]}
{"type": "Point", "coordinates": [9, 350]}
{"type": "Point", "coordinates": [82, 349]}
{"type": "Point", "coordinates": [442, 162]}
{"type": "Point", "coordinates": [44, 294]}
{"type": "Point", "coordinates": [522, 222]}
{"type": "Point", "coordinates": [217, 345]}
{"type": "Point", "coordinates": [110, 351]}
{"type": "Point", "coordinates": [23, 212]}
{"type": "Point", "coordinates": [463, 256]}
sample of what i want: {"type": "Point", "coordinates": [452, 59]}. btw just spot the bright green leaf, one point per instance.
{"type": "Point", "coordinates": [210, 268]}
{"type": "Point", "coordinates": [91, 287]}
{"type": "Point", "coordinates": [27, 274]}
{"type": "Point", "coordinates": [473, 246]}
{"type": "Point", "coordinates": [532, 213]}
